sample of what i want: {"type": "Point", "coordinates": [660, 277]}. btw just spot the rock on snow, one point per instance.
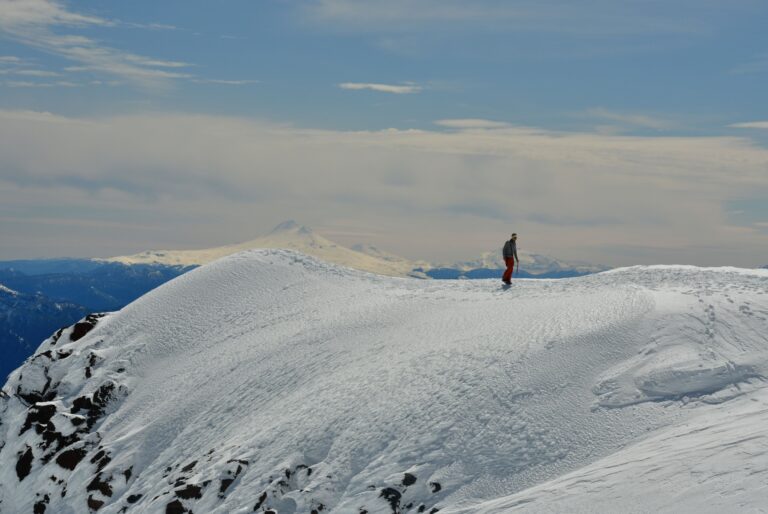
{"type": "Point", "coordinates": [271, 381]}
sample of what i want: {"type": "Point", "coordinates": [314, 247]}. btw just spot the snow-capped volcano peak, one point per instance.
{"type": "Point", "coordinates": [290, 227]}
{"type": "Point", "coordinates": [288, 235]}
{"type": "Point", "coordinates": [272, 381]}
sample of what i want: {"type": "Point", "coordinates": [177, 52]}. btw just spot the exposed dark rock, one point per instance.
{"type": "Point", "coordinates": [134, 498]}
{"type": "Point", "coordinates": [102, 461]}
{"type": "Point", "coordinates": [409, 479]}
{"type": "Point", "coordinates": [175, 507]}
{"type": "Point", "coordinates": [69, 459]}
{"type": "Point", "coordinates": [24, 464]}
{"type": "Point", "coordinates": [99, 454]}
{"type": "Point", "coordinates": [189, 466]}
{"type": "Point", "coordinates": [435, 509]}
{"type": "Point", "coordinates": [261, 501]}
{"type": "Point", "coordinates": [421, 508]}
{"type": "Point", "coordinates": [38, 415]}
{"type": "Point", "coordinates": [76, 420]}
{"type": "Point", "coordinates": [31, 397]}
{"type": "Point", "coordinates": [127, 474]}
{"type": "Point", "coordinates": [97, 484]}
{"type": "Point", "coordinates": [57, 336]}
{"type": "Point", "coordinates": [79, 330]}
{"type": "Point", "coordinates": [225, 483]}
{"type": "Point", "coordinates": [94, 504]}
{"type": "Point", "coordinates": [392, 496]}
{"type": "Point", "coordinates": [190, 492]}
{"type": "Point", "coordinates": [41, 505]}
{"type": "Point", "coordinates": [94, 404]}
{"type": "Point", "coordinates": [435, 486]}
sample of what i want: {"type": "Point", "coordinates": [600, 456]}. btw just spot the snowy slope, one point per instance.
{"type": "Point", "coordinates": [288, 235]}
{"type": "Point", "coordinates": [271, 380]}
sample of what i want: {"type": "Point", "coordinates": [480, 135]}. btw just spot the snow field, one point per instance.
{"type": "Point", "coordinates": [271, 380]}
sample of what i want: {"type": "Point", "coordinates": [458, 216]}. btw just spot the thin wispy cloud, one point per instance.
{"type": "Point", "coordinates": [9, 59]}
{"type": "Point", "coordinates": [751, 125]}
{"type": "Point", "coordinates": [397, 89]}
{"type": "Point", "coordinates": [225, 82]}
{"type": "Point", "coordinates": [27, 84]}
{"type": "Point", "coordinates": [37, 23]}
{"type": "Point", "coordinates": [471, 123]}
{"type": "Point", "coordinates": [30, 73]}
{"type": "Point", "coordinates": [149, 26]}
{"type": "Point", "coordinates": [631, 119]}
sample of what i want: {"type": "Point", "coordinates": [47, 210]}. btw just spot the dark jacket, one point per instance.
{"type": "Point", "coordinates": [510, 249]}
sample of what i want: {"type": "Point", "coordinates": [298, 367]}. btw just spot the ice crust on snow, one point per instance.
{"type": "Point", "coordinates": [270, 380]}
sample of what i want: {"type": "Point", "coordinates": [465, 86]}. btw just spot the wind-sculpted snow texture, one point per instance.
{"type": "Point", "coordinates": [270, 381]}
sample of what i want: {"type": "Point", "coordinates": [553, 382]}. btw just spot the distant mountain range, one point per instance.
{"type": "Point", "coordinates": [56, 293]}
{"type": "Point", "coordinates": [293, 236]}
{"type": "Point", "coordinates": [27, 319]}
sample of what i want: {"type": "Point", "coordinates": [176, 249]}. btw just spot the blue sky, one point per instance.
{"type": "Point", "coordinates": [640, 79]}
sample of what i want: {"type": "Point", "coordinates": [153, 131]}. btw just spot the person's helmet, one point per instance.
{"type": "Point", "coordinates": [514, 235]}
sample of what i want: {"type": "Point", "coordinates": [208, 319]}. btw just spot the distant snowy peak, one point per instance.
{"type": "Point", "coordinates": [288, 235]}
{"type": "Point", "coordinates": [531, 262]}
{"type": "Point", "coordinates": [294, 236]}
{"type": "Point", "coordinates": [6, 290]}
{"type": "Point", "coordinates": [290, 227]}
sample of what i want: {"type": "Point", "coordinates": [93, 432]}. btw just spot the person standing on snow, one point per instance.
{"type": "Point", "coordinates": [510, 256]}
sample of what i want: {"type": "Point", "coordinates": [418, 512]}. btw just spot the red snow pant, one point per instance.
{"type": "Point", "coordinates": [510, 262]}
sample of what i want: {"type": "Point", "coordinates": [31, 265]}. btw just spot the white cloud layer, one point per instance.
{"type": "Point", "coordinates": [471, 123]}
{"type": "Point", "coordinates": [751, 125]}
{"type": "Point", "coordinates": [206, 180]}
{"type": "Point", "coordinates": [634, 120]}
{"type": "Point", "coordinates": [401, 89]}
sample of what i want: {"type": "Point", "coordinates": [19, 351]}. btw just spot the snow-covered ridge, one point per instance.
{"type": "Point", "coordinates": [270, 380]}
{"type": "Point", "coordinates": [4, 289]}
